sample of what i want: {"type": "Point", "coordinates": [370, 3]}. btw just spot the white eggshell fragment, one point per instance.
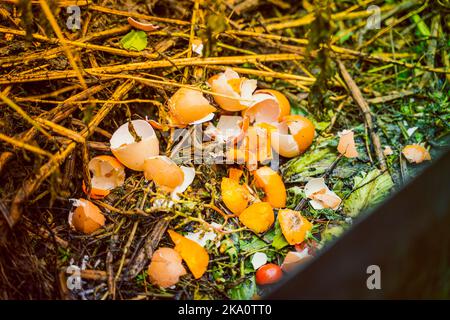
{"type": "Point", "coordinates": [321, 197]}
{"type": "Point", "coordinates": [130, 153]}
{"type": "Point", "coordinates": [189, 175]}
{"type": "Point", "coordinates": [258, 260]}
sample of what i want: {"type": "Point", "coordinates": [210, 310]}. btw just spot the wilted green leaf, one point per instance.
{"type": "Point", "coordinates": [372, 188]}
{"type": "Point", "coordinates": [294, 196]}
{"type": "Point", "coordinates": [134, 40]}
{"type": "Point", "coordinates": [244, 291]}
{"type": "Point", "coordinates": [312, 163]}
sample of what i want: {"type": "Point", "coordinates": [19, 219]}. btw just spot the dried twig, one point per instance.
{"type": "Point", "coordinates": [33, 183]}
{"type": "Point", "coordinates": [361, 102]}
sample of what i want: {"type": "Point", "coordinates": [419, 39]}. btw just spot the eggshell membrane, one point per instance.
{"type": "Point", "coordinates": [346, 145]}
{"type": "Point", "coordinates": [192, 253]}
{"type": "Point", "coordinates": [87, 217]}
{"type": "Point", "coordinates": [258, 217]}
{"type": "Point", "coordinates": [273, 186]}
{"type": "Point", "coordinates": [416, 153]}
{"type": "Point", "coordinates": [188, 106]}
{"type": "Point", "coordinates": [166, 268]}
{"type": "Point", "coordinates": [293, 226]}
{"type": "Point", "coordinates": [321, 196]}
{"type": "Point", "coordinates": [95, 193]}
{"type": "Point", "coordinates": [229, 83]}
{"type": "Point", "coordinates": [283, 102]}
{"type": "Point", "coordinates": [293, 259]}
{"type": "Point", "coordinates": [130, 153]}
{"type": "Point", "coordinates": [234, 195]}
{"type": "Point", "coordinates": [107, 174]}
{"type": "Point", "coordinates": [268, 106]}
{"type": "Point", "coordinates": [164, 172]}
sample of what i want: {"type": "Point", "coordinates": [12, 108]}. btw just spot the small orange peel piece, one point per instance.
{"type": "Point", "coordinates": [258, 217]}
{"type": "Point", "coordinates": [293, 226]}
{"type": "Point", "coordinates": [195, 256]}
{"type": "Point", "coordinates": [234, 195]}
{"type": "Point", "coordinates": [235, 174]}
{"type": "Point", "coordinates": [415, 153]}
{"type": "Point", "coordinates": [273, 186]}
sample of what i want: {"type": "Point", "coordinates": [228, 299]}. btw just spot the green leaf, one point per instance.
{"type": "Point", "coordinates": [279, 242]}
{"type": "Point", "coordinates": [253, 245]}
{"type": "Point", "coordinates": [244, 291]}
{"type": "Point", "coordinates": [134, 40]}
{"type": "Point", "coordinates": [312, 163]}
{"type": "Point", "coordinates": [421, 25]}
{"type": "Point", "coordinates": [371, 189]}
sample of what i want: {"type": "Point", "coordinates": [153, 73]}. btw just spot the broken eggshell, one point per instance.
{"type": "Point", "coordinates": [268, 106]}
{"type": "Point", "coordinates": [346, 145]}
{"type": "Point", "coordinates": [189, 106]}
{"type": "Point", "coordinates": [131, 153]}
{"type": "Point", "coordinates": [293, 259]}
{"type": "Point", "coordinates": [164, 172]}
{"type": "Point", "coordinates": [235, 93]}
{"type": "Point", "coordinates": [87, 217]}
{"type": "Point", "coordinates": [197, 46]}
{"type": "Point", "coordinates": [321, 197]}
{"type": "Point", "coordinates": [166, 267]}
{"type": "Point", "coordinates": [229, 129]}
{"type": "Point", "coordinates": [294, 136]}
{"type": "Point", "coordinates": [141, 26]}
{"type": "Point", "coordinates": [415, 153]}
{"type": "Point", "coordinates": [189, 176]}
{"type": "Point", "coordinates": [258, 260]}
{"type": "Point", "coordinates": [107, 173]}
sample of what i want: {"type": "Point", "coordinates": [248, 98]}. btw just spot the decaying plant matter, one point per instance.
{"type": "Point", "coordinates": [377, 96]}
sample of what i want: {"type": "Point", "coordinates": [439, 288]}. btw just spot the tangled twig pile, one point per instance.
{"type": "Point", "coordinates": [64, 92]}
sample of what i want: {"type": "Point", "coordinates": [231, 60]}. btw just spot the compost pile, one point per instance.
{"type": "Point", "coordinates": [204, 149]}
